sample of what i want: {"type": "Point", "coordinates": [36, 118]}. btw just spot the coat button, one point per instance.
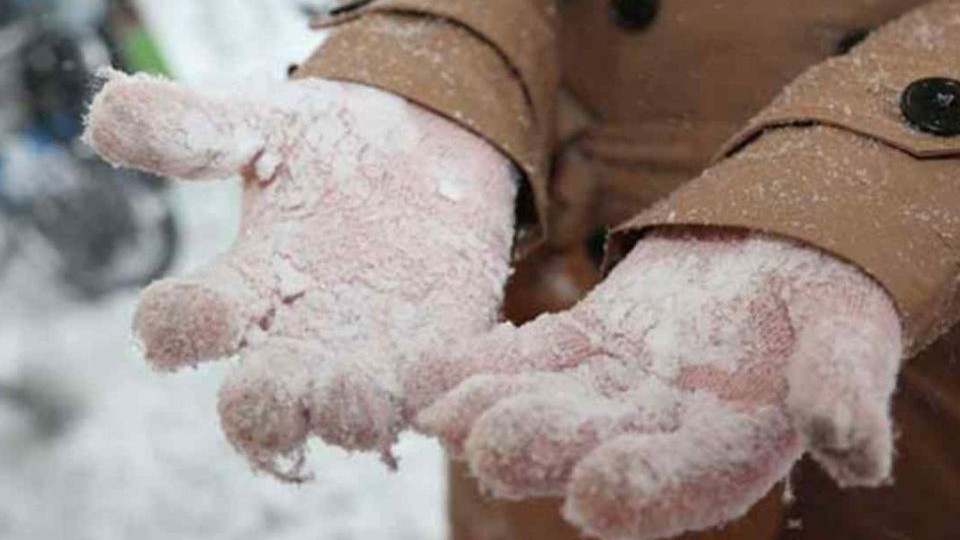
{"type": "Point", "coordinates": [634, 14]}
{"type": "Point", "coordinates": [932, 106]}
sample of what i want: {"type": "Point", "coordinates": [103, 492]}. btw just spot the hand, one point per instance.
{"type": "Point", "coordinates": [679, 391]}
{"type": "Point", "coordinates": [371, 229]}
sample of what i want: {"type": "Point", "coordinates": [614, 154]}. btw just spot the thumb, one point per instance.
{"type": "Point", "coordinates": [165, 128]}
{"type": "Point", "coordinates": [842, 374]}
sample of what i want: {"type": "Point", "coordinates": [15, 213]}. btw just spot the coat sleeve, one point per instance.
{"type": "Point", "coordinates": [488, 65]}
{"type": "Point", "coordinates": [859, 157]}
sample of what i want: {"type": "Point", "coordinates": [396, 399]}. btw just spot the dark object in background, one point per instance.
{"type": "Point", "coordinates": [100, 229]}
{"type": "Point", "coordinates": [8, 13]}
{"type": "Point", "coordinates": [42, 396]}
{"type": "Point", "coordinates": [634, 15]}
{"type": "Point", "coordinates": [55, 79]}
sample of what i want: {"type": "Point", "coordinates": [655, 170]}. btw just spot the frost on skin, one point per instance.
{"type": "Point", "coordinates": [371, 229]}
{"type": "Point", "coordinates": [680, 390]}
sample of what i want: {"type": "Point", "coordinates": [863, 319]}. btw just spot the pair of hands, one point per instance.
{"type": "Point", "coordinates": [363, 291]}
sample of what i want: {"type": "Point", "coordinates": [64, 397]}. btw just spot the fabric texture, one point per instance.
{"type": "Point", "coordinates": [680, 391]}
{"type": "Point", "coordinates": [644, 112]}
{"type": "Point", "coordinates": [900, 182]}
{"type": "Point", "coordinates": [830, 164]}
{"type": "Point", "coordinates": [497, 67]}
{"type": "Point", "coordinates": [371, 229]}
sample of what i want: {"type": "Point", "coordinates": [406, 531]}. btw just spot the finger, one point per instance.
{"type": "Point", "coordinates": [842, 376]}
{"type": "Point", "coordinates": [527, 446]}
{"type": "Point", "coordinates": [208, 314]}
{"type": "Point", "coordinates": [264, 411]}
{"type": "Point", "coordinates": [355, 404]}
{"type": "Point", "coordinates": [708, 472]}
{"type": "Point", "coordinates": [549, 343]}
{"type": "Point", "coordinates": [451, 418]}
{"type": "Point", "coordinates": [165, 128]}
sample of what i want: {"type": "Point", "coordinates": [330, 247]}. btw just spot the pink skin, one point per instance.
{"type": "Point", "coordinates": [671, 399]}
{"type": "Point", "coordinates": [680, 390]}
{"type": "Point", "coordinates": [371, 229]}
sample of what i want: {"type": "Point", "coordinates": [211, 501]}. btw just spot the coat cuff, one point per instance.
{"type": "Point", "coordinates": [838, 162]}
{"type": "Point", "coordinates": [489, 66]}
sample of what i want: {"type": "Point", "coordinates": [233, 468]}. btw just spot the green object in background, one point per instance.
{"type": "Point", "coordinates": [141, 53]}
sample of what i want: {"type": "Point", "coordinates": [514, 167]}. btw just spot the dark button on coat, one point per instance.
{"type": "Point", "coordinates": [932, 105]}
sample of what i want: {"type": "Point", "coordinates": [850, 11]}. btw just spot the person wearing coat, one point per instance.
{"type": "Point", "coordinates": [780, 182]}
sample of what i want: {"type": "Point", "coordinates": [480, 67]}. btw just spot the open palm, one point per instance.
{"type": "Point", "coordinates": [371, 230]}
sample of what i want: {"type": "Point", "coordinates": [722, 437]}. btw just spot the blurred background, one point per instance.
{"type": "Point", "coordinates": [92, 444]}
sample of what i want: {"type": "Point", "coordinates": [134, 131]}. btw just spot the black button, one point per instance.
{"type": "Point", "coordinates": [933, 106]}
{"type": "Point", "coordinates": [634, 14]}
{"type": "Point", "coordinates": [851, 40]}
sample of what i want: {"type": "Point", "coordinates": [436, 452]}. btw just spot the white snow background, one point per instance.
{"type": "Point", "coordinates": [143, 457]}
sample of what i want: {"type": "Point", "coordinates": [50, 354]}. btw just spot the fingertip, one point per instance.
{"type": "Point", "coordinates": [451, 417]}
{"type": "Point", "coordinates": [261, 416]}
{"type": "Point", "coordinates": [858, 454]}
{"type": "Point", "coordinates": [620, 491]}
{"type": "Point", "coordinates": [526, 446]}
{"type": "Point", "coordinates": [707, 473]}
{"type": "Point", "coordinates": [355, 410]}
{"type": "Point", "coordinates": [424, 381]}
{"type": "Point", "coordinates": [607, 493]}
{"type": "Point", "coordinates": [117, 114]}
{"type": "Point", "coordinates": [839, 401]}
{"type": "Point", "coordinates": [181, 323]}
{"type": "Point", "coordinates": [442, 422]}
{"type": "Point", "coordinates": [166, 128]}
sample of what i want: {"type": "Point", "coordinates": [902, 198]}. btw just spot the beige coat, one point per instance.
{"type": "Point", "coordinates": [740, 113]}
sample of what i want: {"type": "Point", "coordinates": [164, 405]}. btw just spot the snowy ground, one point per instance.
{"type": "Point", "coordinates": [142, 456]}
{"type": "Point", "coordinates": [229, 40]}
